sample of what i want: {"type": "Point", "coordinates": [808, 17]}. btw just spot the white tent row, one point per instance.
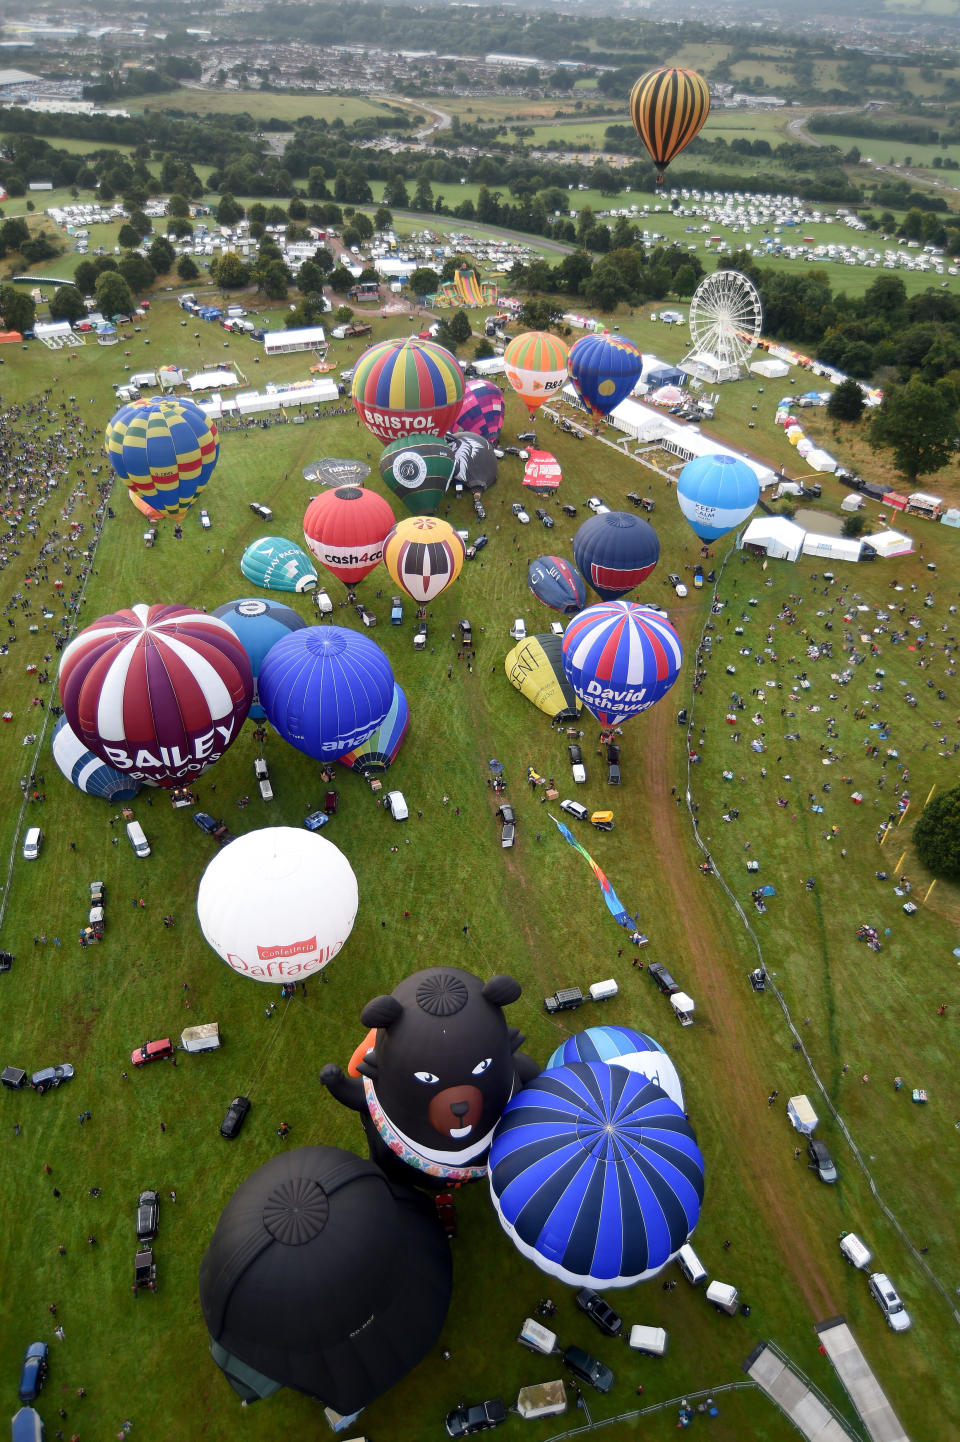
{"type": "Point", "coordinates": [47, 329]}
{"type": "Point", "coordinates": [820, 460]}
{"type": "Point", "coordinates": [646, 423]}
{"type": "Point", "coordinates": [250, 402]}
{"type": "Point", "coordinates": [300, 338]}
{"type": "Point", "coordinates": [776, 536]}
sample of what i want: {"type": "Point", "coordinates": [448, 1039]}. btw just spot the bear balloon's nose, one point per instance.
{"type": "Point", "coordinates": [459, 1109]}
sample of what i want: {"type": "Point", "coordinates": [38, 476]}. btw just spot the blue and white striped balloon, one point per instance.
{"type": "Point", "coordinates": [620, 658]}
{"type": "Point", "coordinates": [622, 1046]}
{"type": "Point", "coordinates": [86, 771]}
{"type": "Point", "coordinates": [716, 493]}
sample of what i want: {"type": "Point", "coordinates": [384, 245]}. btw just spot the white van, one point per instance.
{"type": "Point", "coordinates": [396, 805]}
{"type": "Point", "coordinates": [266, 790]}
{"type": "Point", "coordinates": [137, 838]}
{"type": "Point", "coordinates": [603, 990]}
{"type": "Point", "coordinates": [801, 1115]}
{"type": "Point", "coordinates": [691, 1265]}
{"type": "Point", "coordinates": [205, 1037]}
{"type": "Point", "coordinates": [537, 1337]}
{"type": "Point", "coordinates": [652, 1340]}
{"type": "Point", "coordinates": [323, 603]}
{"type": "Point", "coordinates": [857, 1253]}
{"type": "Point", "coordinates": [32, 843]}
{"type": "Point", "coordinates": [519, 629]}
{"type": "Point", "coordinates": [724, 1297]}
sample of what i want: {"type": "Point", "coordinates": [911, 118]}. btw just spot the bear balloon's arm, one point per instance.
{"type": "Point", "coordinates": [347, 1090]}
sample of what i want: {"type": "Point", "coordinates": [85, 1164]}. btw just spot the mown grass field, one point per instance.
{"type": "Point", "coordinates": [266, 105]}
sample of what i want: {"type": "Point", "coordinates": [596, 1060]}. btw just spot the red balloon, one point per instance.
{"type": "Point", "coordinates": [345, 529]}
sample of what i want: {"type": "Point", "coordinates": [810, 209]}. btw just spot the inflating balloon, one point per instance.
{"type": "Point", "coordinates": [278, 565]}
{"type": "Point", "coordinates": [668, 108]}
{"type": "Point", "coordinates": [620, 659]}
{"type": "Point", "coordinates": [554, 582]}
{"type": "Point", "coordinates": [542, 473]}
{"type": "Point", "coordinates": [325, 689]}
{"type": "Point", "coordinates": [716, 493]}
{"type": "Point", "coordinates": [373, 756]}
{"type": "Point", "coordinates": [417, 470]}
{"type": "Point", "coordinates": [423, 556]}
{"type": "Point", "coordinates": [535, 668]}
{"type": "Point", "coordinates": [86, 770]}
{"type": "Point", "coordinates": [482, 411]}
{"type": "Point", "coordinates": [407, 387]}
{"type": "Point", "coordinates": [159, 692]}
{"type": "Point", "coordinates": [536, 365]}
{"type": "Point", "coordinates": [345, 529]}
{"type": "Point", "coordinates": [622, 1046]}
{"type": "Point", "coordinates": [164, 451]}
{"type": "Point", "coordinates": [259, 625]}
{"type": "Point", "coordinates": [615, 552]}
{"type": "Point", "coordinates": [604, 370]}
{"type": "Point", "coordinates": [474, 461]}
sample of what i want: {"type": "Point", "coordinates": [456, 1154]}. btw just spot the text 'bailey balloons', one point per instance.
{"type": "Point", "coordinates": [345, 528]}
{"type": "Point", "coordinates": [536, 367]}
{"type": "Point", "coordinates": [595, 1175]}
{"type": "Point", "coordinates": [620, 659]}
{"type": "Point", "coordinates": [615, 552]}
{"type": "Point", "coordinates": [259, 625]}
{"type": "Point", "coordinates": [423, 556]}
{"type": "Point", "coordinates": [164, 451]}
{"type": "Point", "coordinates": [324, 1276]}
{"type": "Point", "coordinates": [482, 410]}
{"type": "Point", "coordinates": [277, 564]}
{"type": "Point", "coordinates": [554, 582]}
{"type": "Point", "coordinates": [474, 461]}
{"type": "Point", "coordinates": [373, 756]}
{"type": "Point", "coordinates": [407, 387]}
{"type": "Point", "coordinates": [604, 370]}
{"type": "Point", "coordinates": [325, 689]}
{"type": "Point", "coordinates": [86, 770]}
{"type": "Point", "coordinates": [159, 692]}
{"type": "Point", "coordinates": [535, 668]}
{"type": "Point", "coordinates": [542, 473]}
{"type": "Point", "coordinates": [418, 470]}
{"type": "Point", "coordinates": [622, 1046]}
{"type": "Point", "coordinates": [277, 904]}
{"type": "Point", "coordinates": [716, 493]}
{"type": "Point", "coordinates": [668, 108]}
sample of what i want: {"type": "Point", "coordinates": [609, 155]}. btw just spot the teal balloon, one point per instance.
{"type": "Point", "coordinates": [278, 565]}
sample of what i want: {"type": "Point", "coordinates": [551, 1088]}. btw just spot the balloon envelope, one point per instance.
{"type": "Point", "coordinates": [474, 461]}
{"type": "Point", "coordinates": [596, 1175]}
{"type": "Point", "coordinates": [278, 565]}
{"type": "Point", "coordinates": [337, 471]}
{"type": "Point", "coordinates": [620, 658]}
{"type": "Point", "coordinates": [381, 747]}
{"type": "Point", "coordinates": [344, 529]}
{"type": "Point", "coordinates": [604, 370]}
{"type": "Point", "coordinates": [615, 552]}
{"type": "Point", "coordinates": [277, 904]}
{"type": "Point", "coordinates": [542, 473]}
{"type": "Point", "coordinates": [417, 470]}
{"type": "Point", "coordinates": [622, 1046]}
{"type": "Point", "coordinates": [423, 556]}
{"type": "Point", "coordinates": [716, 493]}
{"type": "Point", "coordinates": [535, 668]}
{"type": "Point", "coordinates": [164, 451]}
{"type": "Point", "coordinates": [407, 387]}
{"type": "Point", "coordinates": [159, 692]}
{"type": "Point", "coordinates": [554, 582]}
{"type": "Point", "coordinates": [482, 410]}
{"type": "Point", "coordinates": [668, 107]}
{"type": "Point", "coordinates": [86, 770]}
{"type": "Point", "coordinates": [259, 624]}
{"type": "Point", "coordinates": [325, 689]}
{"type": "Point", "coordinates": [536, 366]}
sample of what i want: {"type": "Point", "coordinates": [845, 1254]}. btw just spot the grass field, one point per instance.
{"type": "Point", "coordinates": [265, 105]}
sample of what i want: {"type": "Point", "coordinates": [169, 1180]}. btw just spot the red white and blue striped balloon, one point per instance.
{"type": "Point", "coordinates": [620, 658]}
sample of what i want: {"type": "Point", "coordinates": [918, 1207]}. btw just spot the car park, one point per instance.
{"type": "Point", "coordinates": [821, 1161]}
{"type": "Point", "coordinates": [508, 828]}
{"type": "Point", "coordinates": [152, 1051]}
{"type": "Point", "coordinates": [885, 1294]}
{"type": "Point", "coordinates": [545, 518]}
{"type": "Point", "coordinates": [148, 1215]}
{"type": "Point", "coordinates": [33, 1373]}
{"type": "Point", "coordinates": [264, 512]}
{"type": "Point", "coordinates": [205, 520]}
{"type": "Point", "coordinates": [235, 1117]}
{"type": "Point", "coordinates": [588, 1369]}
{"type": "Point", "coordinates": [465, 1421]}
{"type": "Point", "coordinates": [51, 1076]}
{"type": "Point", "coordinates": [599, 1311]}
{"type": "Point", "coordinates": [574, 808]}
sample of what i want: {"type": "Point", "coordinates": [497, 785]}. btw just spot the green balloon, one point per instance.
{"type": "Point", "coordinates": [418, 471]}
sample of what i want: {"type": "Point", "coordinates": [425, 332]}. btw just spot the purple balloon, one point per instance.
{"type": "Point", "coordinates": [482, 410]}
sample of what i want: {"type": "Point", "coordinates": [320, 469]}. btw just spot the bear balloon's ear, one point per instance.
{"type": "Point", "coordinates": [383, 1011]}
{"type": "Point", "coordinates": [502, 990]}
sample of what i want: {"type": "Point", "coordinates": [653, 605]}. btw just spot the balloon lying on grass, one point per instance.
{"type": "Point", "coordinates": [325, 689]}
{"type": "Point", "coordinates": [373, 756]}
{"type": "Point", "coordinates": [542, 473]}
{"type": "Point", "coordinates": [278, 565]}
{"type": "Point", "coordinates": [418, 471]}
{"type": "Point", "coordinates": [715, 493]}
{"type": "Point", "coordinates": [535, 668]}
{"type": "Point", "coordinates": [536, 364]}
{"type": "Point", "coordinates": [553, 581]}
{"type": "Point", "coordinates": [423, 556]}
{"type": "Point", "coordinates": [87, 771]}
{"type": "Point", "coordinates": [474, 461]}
{"type": "Point", "coordinates": [604, 370]}
{"type": "Point", "coordinates": [159, 692]}
{"type": "Point", "coordinates": [258, 625]}
{"type": "Point", "coordinates": [345, 530]}
{"type": "Point", "coordinates": [615, 552]}
{"type": "Point", "coordinates": [278, 904]}
{"type": "Point", "coordinates": [622, 1046]}
{"type": "Point", "coordinates": [164, 451]}
{"type": "Point", "coordinates": [620, 659]}
{"type": "Point", "coordinates": [407, 387]}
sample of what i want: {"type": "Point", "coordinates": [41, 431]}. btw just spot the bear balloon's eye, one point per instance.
{"type": "Point", "coordinates": [482, 1066]}
{"type": "Point", "coordinates": [427, 1077]}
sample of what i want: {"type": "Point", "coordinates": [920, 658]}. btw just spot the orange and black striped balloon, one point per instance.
{"type": "Point", "coordinates": [668, 108]}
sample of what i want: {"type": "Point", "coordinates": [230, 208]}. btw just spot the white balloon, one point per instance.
{"type": "Point", "coordinates": [278, 904]}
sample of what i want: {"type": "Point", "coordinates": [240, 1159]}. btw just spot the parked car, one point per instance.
{"type": "Point", "coordinates": [596, 505]}
{"type": "Point", "coordinates": [574, 808]}
{"type": "Point", "coordinates": [569, 510]}
{"type": "Point", "coordinates": [599, 1311]}
{"type": "Point", "coordinates": [465, 1420]}
{"type": "Point", "coordinates": [152, 1051]}
{"type": "Point", "coordinates": [32, 843]}
{"type": "Point", "coordinates": [33, 1373]}
{"type": "Point", "coordinates": [677, 584]}
{"type": "Point", "coordinates": [235, 1117]}
{"type": "Point", "coordinates": [508, 828]}
{"type": "Point", "coordinates": [885, 1294]}
{"type": "Point", "coordinates": [148, 1216]}
{"type": "Point", "coordinates": [98, 893]}
{"type": "Point", "coordinates": [51, 1076]}
{"type": "Point", "coordinates": [522, 517]}
{"type": "Point", "coordinates": [821, 1161]}
{"type": "Point", "coordinates": [396, 805]}
{"type": "Point", "coordinates": [481, 541]}
{"type": "Point", "coordinates": [658, 974]}
{"type": "Point", "coordinates": [316, 820]}
{"type": "Point", "coordinates": [588, 1369]}
{"type": "Point", "coordinates": [205, 821]}
{"type": "Point", "coordinates": [466, 631]}
{"type": "Point", "coordinates": [545, 517]}
{"type": "Point", "coordinates": [264, 512]}
{"type": "Point", "coordinates": [205, 520]}
{"type": "Point", "coordinates": [613, 773]}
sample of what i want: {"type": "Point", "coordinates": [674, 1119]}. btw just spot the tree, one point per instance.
{"type": "Point", "coordinates": [340, 280]}
{"type": "Point", "coordinates": [17, 309]}
{"type": "Point", "coordinates": [310, 278]}
{"type": "Point", "coordinates": [395, 193]}
{"type": "Point", "coordinates": [538, 314]}
{"type": "Point", "coordinates": [229, 211]}
{"type": "Point", "coordinates": [67, 304]}
{"type": "Point", "coordinates": [363, 225]}
{"type": "Point", "coordinates": [296, 209]}
{"type": "Point", "coordinates": [937, 835]}
{"type": "Point", "coordinates": [178, 205]}
{"type": "Point", "coordinates": [13, 234]}
{"type": "Point", "coordinates": [161, 255]}
{"type": "Point", "coordinates": [460, 327]}
{"type": "Point", "coordinates": [424, 281]}
{"type": "Point", "coordinates": [229, 271]}
{"type": "Point", "coordinates": [918, 423]}
{"type": "Point", "coordinates": [275, 280]}
{"type": "Point", "coordinates": [382, 219]}
{"type": "Point", "coordinates": [423, 195]}
{"type": "Point", "coordinates": [85, 276]}
{"type": "Point", "coordinates": [853, 525]}
{"type": "Point", "coordinates": [446, 337]}
{"type": "Point", "coordinates": [187, 268]}
{"type": "Point", "coordinates": [113, 294]}
{"type": "Point", "coordinates": [137, 271]}
{"type": "Point", "coordinates": [343, 315]}
{"type": "Point", "coordinates": [847, 402]}
{"type": "Point", "coordinates": [685, 281]}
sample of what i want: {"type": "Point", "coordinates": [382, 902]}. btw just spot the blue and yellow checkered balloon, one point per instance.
{"type": "Point", "coordinates": [164, 451]}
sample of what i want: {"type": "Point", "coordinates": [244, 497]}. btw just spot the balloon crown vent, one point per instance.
{"type": "Point", "coordinates": [296, 1211]}
{"type": "Point", "coordinates": [442, 994]}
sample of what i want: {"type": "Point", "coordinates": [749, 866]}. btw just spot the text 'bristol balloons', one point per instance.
{"type": "Point", "coordinates": [259, 625]}
{"type": "Point", "coordinates": [716, 493]}
{"type": "Point", "coordinates": [482, 410]}
{"type": "Point", "coordinates": [622, 1046]}
{"type": "Point", "coordinates": [159, 692]}
{"type": "Point", "coordinates": [345, 528]}
{"type": "Point", "coordinates": [554, 582]}
{"type": "Point", "coordinates": [325, 689]}
{"type": "Point", "coordinates": [407, 387]}
{"type": "Point", "coordinates": [277, 904]}
{"type": "Point", "coordinates": [604, 370]}
{"type": "Point", "coordinates": [595, 1175]}
{"type": "Point", "coordinates": [86, 770]}
{"type": "Point", "coordinates": [615, 552]}
{"type": "Point", "coordinates": [164, 451]}
{"type": "Point", "coordinates": [418, 471]}
{"type": "Point", "coordinates": [423, 556]}
{"type": "Point", "coordinates": [536, 366]}
{"type": "Point", "coordinates": [278, 565]}
{"type": "Point", "coordinates": [380, 749]}
{"type": "Point", "coordinates": [535, 668]}
{"type": "Point", "coordinates": [668, 108]}
{"type": "Point", "coordinates": [620, 659]}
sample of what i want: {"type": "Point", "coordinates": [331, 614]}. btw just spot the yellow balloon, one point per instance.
{"type": "Point", "coordinates": [423, 556]}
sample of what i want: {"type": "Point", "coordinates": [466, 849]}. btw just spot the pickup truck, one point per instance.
{"type": "Point", "coordinates": [567, 998]}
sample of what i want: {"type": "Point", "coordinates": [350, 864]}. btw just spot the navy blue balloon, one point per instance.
{"type": "Point", "coordinates": [554, 582]}
{"type": "Point", "coordinates": [325, 689]}
{"type": "Point", "coordinates": [615, 552]}
{"type": "Point", "coordinates": [259, 624]}
{"type": "Point", "coordinates": [88, 772]}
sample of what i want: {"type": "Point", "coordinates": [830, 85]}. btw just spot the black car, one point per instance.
{"type": "Point", "coordinates": [658, 974]}
{"type": "Point", "coordinates": [821, 1161]}
{"type": "Point", "coordinates": [545, 517]}
{"type": "Point", "coordinates": [527, 438]}
{"type": "Point", "coordinates": [464, 1421]}
{"type": "Point", "coordinates": [51, 1076]}
{"type": "Point", "coordinates": [264, 512]}
{"type": "Point", "coordinates": [587, 1369]}
{"type": "Point", "coordinates": [575, 754]}
{"type": "Point", "coordinates": [235, 1117]}
{"type": "Point", "coordinates": [205, 821]}
{"type": "Point", "coordinates": [569, 510]}
{"type": "Point", "coordinates": [613, 774]}
{"type": "Point", "coordinates": [148, 1216]}
{"type": "Point", "coordinates": [599, 1311]}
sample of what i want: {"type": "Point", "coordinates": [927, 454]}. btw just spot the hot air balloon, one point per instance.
{"type": "Point", "coordinates": [535, 668]}
{"type": "Point", "coordinates": [259, 625]}
{"type": "Point", "coordinates": [554, 582]}
{"type": "Point", "coordinates": [164, 451]}
{"type": "Point", "coordinates": [620, 659]}
{"type": "Point", "coordinates": [278, 565]}
{"type": "Point", "coordinates": [277, 904]}
{"type": "Point", "coordinates": [373, 756]}
{"type": "Point", "coordinates": [604, 370]}
{"type": "Point", "coordinates": [324, 1276]}
{"type": "Point", "coordinates": [474, 461]}
{"type": "Point", "coordinates": [716, 493]}
{"type": "Point", "coordinates": [407, 387]}
{"type": "Point", "coordinates": [622, 1046]}
{"type": "Point", "coordinates": [336, 471]}
{"type": "Point", "coordinates": [325, 689]}
{"type": "Point", "coordinates": [536, 367]}
{"type": "Point", "coordinates": [542, 473]}
{"type": "Point", "coordinates": [615, 552]}
{"type": "Point", "coordinates": [482, 410]}
{"type": "Point", "coordinates": [595, 1175]}
{"type": "Point", "coordinates": [86, 770]}
{"type": "Point", "coordinates": [423, 556]}
{"type": "Point", "coordinates": [668, 107]}
{"type": "Point", "coordinates": [418, 470]}
{"type": "Point", "coordinates": [159, 692]}
{"type": "Point", "coordinates": [345, 528]}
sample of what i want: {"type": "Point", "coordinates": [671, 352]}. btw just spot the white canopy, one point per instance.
{"type": "Point", "coordinates": [779, 537]}
{"type": "Point", "coordinates": [772, 369]}
{"type": "Point", "coordinates": [212, 380]}
{"type": "Point", "coordinates": [890, 543]}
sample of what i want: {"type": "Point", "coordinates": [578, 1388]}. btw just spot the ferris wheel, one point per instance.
{"type": "Point", "coordinates": [725, 318]}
